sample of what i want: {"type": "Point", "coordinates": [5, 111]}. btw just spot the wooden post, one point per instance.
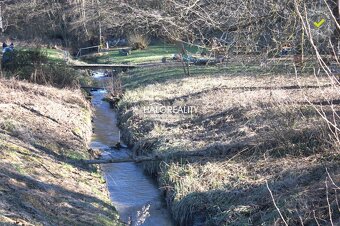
{"type": "Point", "coordinates": [338, 21]}
{"type": "Point", "coordinates": [100, 34]}
{"type": "Point", "coordinates": [302, 46]}
{"type": "Point", "coordinates": [100, 26]}
{"type": "Point", "coordinates": [1, 24]}
{"type": "Point", "coordinates": [338, 9]}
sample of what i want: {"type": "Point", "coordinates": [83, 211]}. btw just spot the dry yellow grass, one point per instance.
{"type": "Point", "coordinates": [42, 131]}
{"type": "Point", "coordinates": [289, 146]}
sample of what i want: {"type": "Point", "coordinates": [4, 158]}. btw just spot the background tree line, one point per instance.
{"type": "Point", "coordinates": [265, 24]}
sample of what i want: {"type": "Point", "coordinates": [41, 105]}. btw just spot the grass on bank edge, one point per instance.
{"type": "Point", "coordinates": [231, 189]}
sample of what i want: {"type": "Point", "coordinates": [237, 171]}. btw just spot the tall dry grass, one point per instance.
{"type": "Point", "coordinates": [286, 144]}
{"type": "Point", "coordinates": [44, 132]}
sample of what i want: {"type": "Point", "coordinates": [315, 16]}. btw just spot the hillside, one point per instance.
{"type": "Point", "coordinates": [42, 131]}
{"type": "Point", "coordinates": [261, 135]}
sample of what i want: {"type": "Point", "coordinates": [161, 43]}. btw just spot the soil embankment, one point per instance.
{"type": "Point", "coordinates": [42, 131]}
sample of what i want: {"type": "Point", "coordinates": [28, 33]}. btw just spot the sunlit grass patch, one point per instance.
{"type": "Point", "coordinates": [151, 54]}
{"type": "Point", "coordinates": [55, 55]}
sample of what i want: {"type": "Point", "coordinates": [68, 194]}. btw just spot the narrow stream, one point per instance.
{"type": "Point", "coordinates": [135, 195]}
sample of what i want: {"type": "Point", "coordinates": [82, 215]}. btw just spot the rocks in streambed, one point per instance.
{"type": "Point", "coordinates": [118, 146]}
{"type": "Point", "coordinates": [125, 52]}
{"type": "Point", "coordinates": [95, 153]}
{"type": "Point", "coordinates": [112, 100]}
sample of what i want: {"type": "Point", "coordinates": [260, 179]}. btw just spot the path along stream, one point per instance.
{"type": "Point", "coordinates": [135, 195]}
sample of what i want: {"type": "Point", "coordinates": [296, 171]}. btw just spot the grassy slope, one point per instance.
{"type": "Point", "coordinates": [54, 55]}
{"type": "Point", "coordinates": [42, 130]}
{"type": "Point", "coordinates": [285, 143]}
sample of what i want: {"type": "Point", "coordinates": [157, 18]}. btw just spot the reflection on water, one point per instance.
{"type": "Point", "coordinates": [135, 196]}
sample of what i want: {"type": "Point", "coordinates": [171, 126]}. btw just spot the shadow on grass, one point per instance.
{"type": "Point", "coordinates": [298, 195]}
{"type": "Point", "coordinates": [74, 161]}
{"type": "Point", "coordinates": [152, 75]}
{"type": "Point", "coordinates": [72, 157]}
{"type": "Point", "coordinates": [41, 202]}
{"type": "Point", "coordinates": [143, 77]}
{"type": "Point", "coordinates": [275, 140]}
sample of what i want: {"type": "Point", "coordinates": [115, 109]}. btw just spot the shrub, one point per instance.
{"type": "Point", "coordinates": [23, 58]}
{"type": "Point", "coordinates": [33, 65]}
{"type": "Point", "coordinates": [138, 41]}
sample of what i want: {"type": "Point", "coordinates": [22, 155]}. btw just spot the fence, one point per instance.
{"type": "Point", "coordinates": [81, 50]}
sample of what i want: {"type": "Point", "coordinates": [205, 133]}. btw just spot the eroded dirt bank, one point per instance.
{"type": "Point", "coordinates": [42, 131]}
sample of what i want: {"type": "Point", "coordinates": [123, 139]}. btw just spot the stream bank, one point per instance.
{"type": "Point", "coordinates": [44, 132]}
{"type": "Point", "coordinates": [135, 195]}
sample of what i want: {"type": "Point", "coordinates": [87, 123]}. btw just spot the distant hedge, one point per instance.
{"type": "Point", "coordinates": [33, 65]}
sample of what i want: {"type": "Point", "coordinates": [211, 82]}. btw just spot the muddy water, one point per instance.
{"type": "Point", "coordinates": [135, 195]}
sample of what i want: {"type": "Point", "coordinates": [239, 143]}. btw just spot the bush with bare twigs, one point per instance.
{"type": "Point", "coordinates": [138, 41]}
{"type": "Point", "coordinates": [33, 65]}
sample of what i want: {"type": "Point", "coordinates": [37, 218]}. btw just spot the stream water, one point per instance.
{"type": "Point", "coordinates": [135, 195]}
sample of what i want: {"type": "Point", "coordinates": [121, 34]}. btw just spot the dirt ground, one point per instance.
{"type": "Point", "coordinates": [43, 132]}
{"type": "Point", "coordinates": [286, 148]}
